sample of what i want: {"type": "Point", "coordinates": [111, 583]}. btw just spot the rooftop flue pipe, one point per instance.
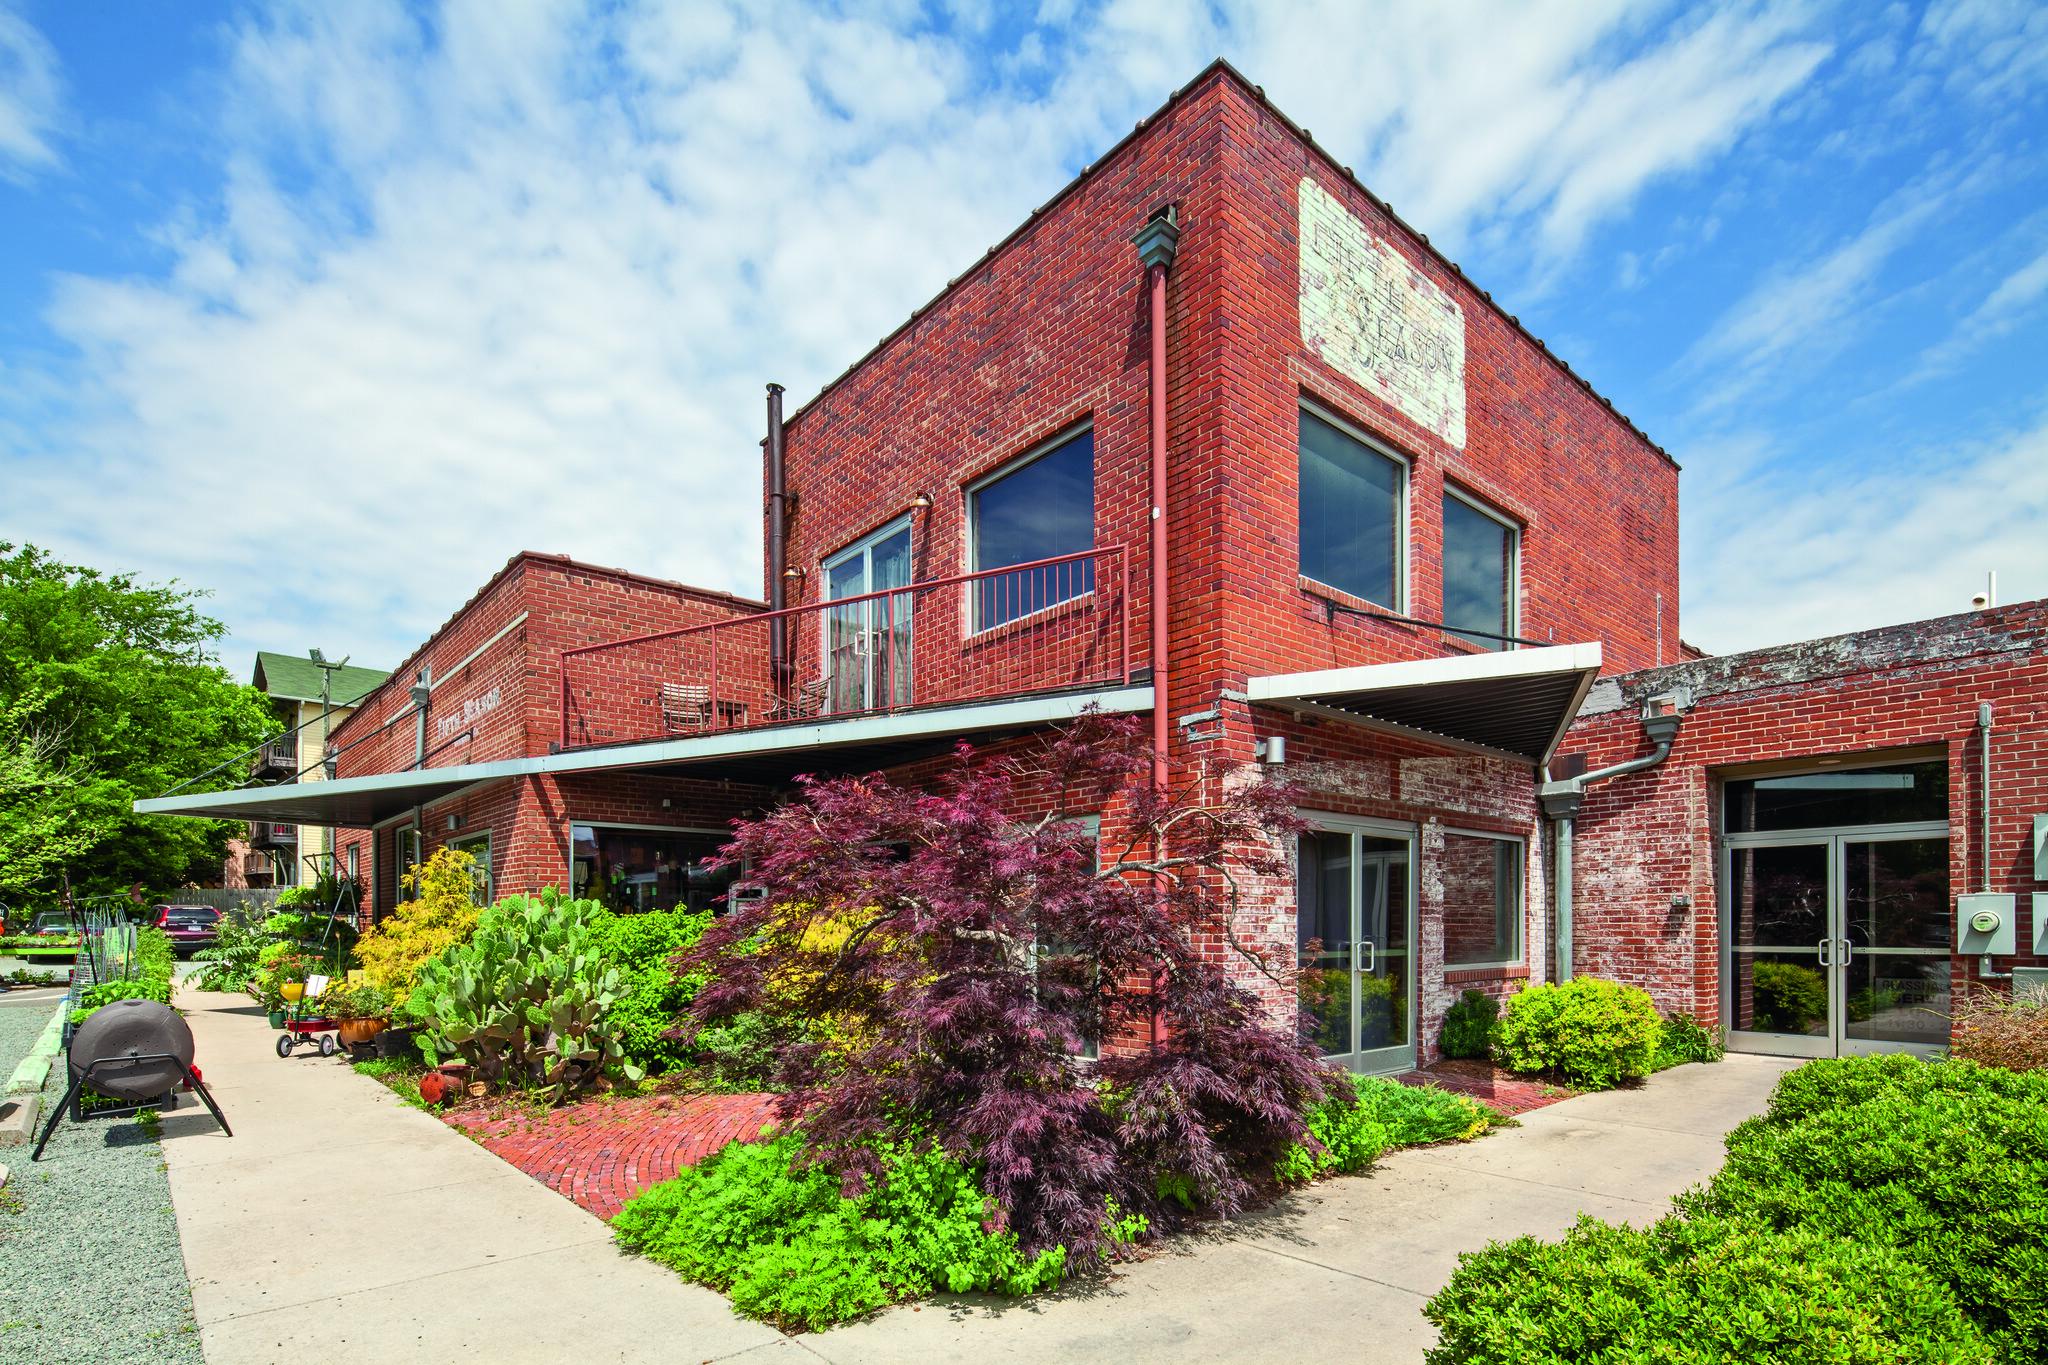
{"type": "Point", "coordinates": [1662, 716]}
{"type": "Point", "coordinates": [778, 544]}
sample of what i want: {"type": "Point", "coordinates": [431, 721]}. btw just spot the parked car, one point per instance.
{"type": "Point", "coordinates": [54, 922]}
{"type": "Point", "coordinates": [191, 927]}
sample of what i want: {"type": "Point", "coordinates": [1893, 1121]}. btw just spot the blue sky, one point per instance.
{"type": "Point", "coordinates": [332, 308]}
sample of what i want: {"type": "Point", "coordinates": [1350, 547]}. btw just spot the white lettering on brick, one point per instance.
{"type": "Point", "coordinates": [472, 709]}
{"type": "Point", "coordinates": [1376, 319]}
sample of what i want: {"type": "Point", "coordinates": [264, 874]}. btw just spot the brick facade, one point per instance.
{"type": "Point", "coordinates": [1648, 839]}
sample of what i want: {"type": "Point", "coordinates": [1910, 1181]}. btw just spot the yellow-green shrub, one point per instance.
{"type": "Point", "coordinates": [1586, 1032]}
{"type": "Point", "coordinates": [441, 914]}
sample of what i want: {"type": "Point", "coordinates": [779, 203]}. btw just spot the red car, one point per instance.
{"type": "Point", "coordinates": [191, 927]}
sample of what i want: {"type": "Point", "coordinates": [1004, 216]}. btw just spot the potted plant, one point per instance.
{"type": "Point", "coordinates": [361, 1011]}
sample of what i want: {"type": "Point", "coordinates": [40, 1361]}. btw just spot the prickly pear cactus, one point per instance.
{"type": "Point", "coordinates": [525, 1000]}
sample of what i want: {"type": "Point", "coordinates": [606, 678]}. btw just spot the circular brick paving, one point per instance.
{"type": "Point", "coordinates": [602, 1154]}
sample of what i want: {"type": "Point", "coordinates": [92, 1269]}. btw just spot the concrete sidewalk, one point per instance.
{"type": "Point", "coordinates": [340, 1226]}
{"type": "Point", "coordinates": [1341, 1270]}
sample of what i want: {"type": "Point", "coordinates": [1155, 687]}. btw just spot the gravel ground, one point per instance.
{"type": "Point", "coordinates": [90, 1266]}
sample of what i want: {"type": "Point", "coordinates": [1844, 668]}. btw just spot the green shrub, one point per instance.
{"type": "Point", "coordinates": [787, 1247]}
{"type": "Point", "coordinates": [1384, 1115]}
{"type": "Point", "coordinates": [1697, 1291]}
{"type": "Point", "coordinates": [154, 986]}
{"type": "Point", "coordinates": [1468, 1026]}
{"type": "Point", "coordinates": [641, 946]}
{"type": "Point", "coordinates": [1947, 1163]}
{"type": "Point", "coordinates": [1587, 1032]}
{"type": "Point", "coordinates": [527, 999]}
{"type": "Point", "coordinates": [1685, 1039]}
{"type": "Point", "coordinates": [234, 960]}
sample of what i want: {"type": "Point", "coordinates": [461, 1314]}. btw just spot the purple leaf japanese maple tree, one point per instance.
{"type": "Point", "coordinates": [946, 960]}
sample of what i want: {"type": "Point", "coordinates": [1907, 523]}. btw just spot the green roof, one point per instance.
{"type": "Point", "coordinates": [290, 678]}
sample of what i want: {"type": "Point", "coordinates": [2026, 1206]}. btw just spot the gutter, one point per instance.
{"type": "Point", "coordinates": [1662, 716]}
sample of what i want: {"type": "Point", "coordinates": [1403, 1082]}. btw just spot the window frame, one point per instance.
{"type": "Point", "coordinates": [1404, 511]}
{"type": "Point", "coordinates": [1520, 956]}
{"type": "Point", "coordinates": [486, 883]}
{"type": "Point", "coordinates": [1512, 587]}
{"type": "Point", "coordinates": [970, 541]}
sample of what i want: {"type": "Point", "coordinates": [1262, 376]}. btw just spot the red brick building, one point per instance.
{"type": "Point", "coordinates": [1213, 438]}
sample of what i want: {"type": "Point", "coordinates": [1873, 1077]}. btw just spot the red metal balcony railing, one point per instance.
{"type": "Point", "coordinates": [1047, 626]}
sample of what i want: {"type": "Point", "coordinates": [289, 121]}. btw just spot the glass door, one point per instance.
{"type": "Point", "coordinates": [1354, 927]}
{"type": "Point", "coordinates": [867, 644]}
{"type": "Point", "coordinates": [1838, 944]}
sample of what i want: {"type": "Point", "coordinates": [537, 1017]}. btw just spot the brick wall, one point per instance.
{"type": "Point", "coordinates": [1650, 837]}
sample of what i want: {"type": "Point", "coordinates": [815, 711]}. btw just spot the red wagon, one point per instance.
{"type": "Point", "coordinates": [302, 1027]}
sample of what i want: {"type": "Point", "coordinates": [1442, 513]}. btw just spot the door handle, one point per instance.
{"type": "Point", "coordinates": [1372, 955]}
{"type": "Point", "coordinates": [1824, 951]}
{"type": "Point", "coordinates": [1848, 951]}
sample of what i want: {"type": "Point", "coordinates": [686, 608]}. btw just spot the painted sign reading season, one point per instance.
{"type": "Point", "coordinates": [471, 710]}
{"type": "Point", "coordinates": [1378, 320]}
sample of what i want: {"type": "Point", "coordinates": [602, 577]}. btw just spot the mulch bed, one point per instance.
{"type": "Point", "coordinates": [1500, 1089]}
{"type": "Point", "coordinates": [604, 1152]}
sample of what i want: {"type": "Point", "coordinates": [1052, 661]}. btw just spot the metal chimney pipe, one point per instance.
{"type": "Point", "coordinates": [778, 544]}
{"type": "Point", "coordinates": [1158, 245]}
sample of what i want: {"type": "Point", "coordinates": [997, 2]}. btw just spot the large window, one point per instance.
{"type": "Point", "coordinates": [1898, 793]}
{"type": "Point", "coordinates": [637, 869]}
{"type": "Point", "coordinates": [1479, 573]}
{"type": "Point", "coordinates": [1351, 497]}
{"type": "Point", "coordinates": [1482, 877]}
{"type": "Point", "coordinates": [1039, 509]}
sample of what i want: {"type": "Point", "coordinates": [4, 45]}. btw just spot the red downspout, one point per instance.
{"type": "Point", "coordinates": [1157, 243]}
{"type": "Point", "coordinates": [1158, 381]}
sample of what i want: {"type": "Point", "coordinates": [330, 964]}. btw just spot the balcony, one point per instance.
{"type": "Point", "coordinates": [279, 756]}
{"type": "Point", "coordinates": [1049, 626]}
{"type": "Point", "coordinates": [264, 832]}
{"type": "Point", "coordinates": [257, 868]}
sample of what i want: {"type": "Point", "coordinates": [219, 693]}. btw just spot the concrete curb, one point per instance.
{"type": "Point", "coordinates": [34, 1071]}
{"type": "Point", "coordinates": [18, 1119]}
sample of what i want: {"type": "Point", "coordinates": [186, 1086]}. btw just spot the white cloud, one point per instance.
{"type": "Point", "coordinates": [512, 275]}
{"type": "Point", "coordinates": [1776, 559]}
{"type": "Point", "coordinates": [31, 96]}
{"type": "Point", "coordinates": [2005, 308]}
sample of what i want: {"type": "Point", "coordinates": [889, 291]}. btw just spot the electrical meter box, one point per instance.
{"type": "Point", "coordinates": [2040, 849]}
{"type": "Point", "coordinates": [2040, 923]}
{"type": "Point", "coordinates": [1987, 922]}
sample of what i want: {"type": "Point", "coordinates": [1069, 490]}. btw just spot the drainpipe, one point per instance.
{"type": "Point", "coordinates": [1158, 243]}
{"type": "Point", "coordinates": [778, 537]}
{"type": "Point", "coordinates": [1984, 963]}
{"type": "Point", "coordinates": [1662, 715]}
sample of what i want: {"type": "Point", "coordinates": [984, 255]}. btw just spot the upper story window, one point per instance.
{"type": "Point", "coordinates": [1351, 513]}
{"type": "Point", "coordinates": [1039, 508]}
{"type": "Point", "coordinates": [1479, 572]}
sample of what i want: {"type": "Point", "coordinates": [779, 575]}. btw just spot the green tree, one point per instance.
{"type": "Point", "coordinates": [109, 692]}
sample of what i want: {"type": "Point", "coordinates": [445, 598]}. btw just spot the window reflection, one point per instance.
{"type": "Point", "coordinates": [633, 870]}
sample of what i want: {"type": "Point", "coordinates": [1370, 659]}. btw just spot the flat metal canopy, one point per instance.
{"type": "Point", "coordinates": [1513, 704]}
{"type": "Point", "coordinates": [761, 756]}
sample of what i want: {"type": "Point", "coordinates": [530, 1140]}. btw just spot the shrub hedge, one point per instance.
{"type": "Point", "coordinates": [1882, 1209]}
{"type": "Point", "coordinates": [1587, 1032]}
{"type": "Point", "coordinates": [1697, 1292]}
{"type": "Point", "coordinates": [1384, 1115]}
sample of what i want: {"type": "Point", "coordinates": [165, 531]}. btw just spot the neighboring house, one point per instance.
{"type": "Point", "coordinates": [311, 703]}
{"type": "Point", "coordinates": [1215, 439]}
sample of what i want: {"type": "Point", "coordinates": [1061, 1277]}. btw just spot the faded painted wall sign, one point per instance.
{"type": "Point", "coordinates": [472, 709]}
{"type": "Point", "coordinates": [1378, 320]}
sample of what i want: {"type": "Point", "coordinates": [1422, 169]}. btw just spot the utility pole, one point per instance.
{"type": "Point", "coordinates": [326, 709]}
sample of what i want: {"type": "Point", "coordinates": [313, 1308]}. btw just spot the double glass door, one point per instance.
{"type": "Point", "coordinates": [1355, 929]}
{"type": "Point", "coordinates": [867, 644]}
{"type": "Point", "coordinates": [1838, 943]}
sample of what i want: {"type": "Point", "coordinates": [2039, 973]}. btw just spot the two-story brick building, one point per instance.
{"type": "Point", "coordinates": [1212, 438]}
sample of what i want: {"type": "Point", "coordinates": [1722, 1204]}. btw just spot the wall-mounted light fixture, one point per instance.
{"type": "Point", "coordinates": [920, 502]}
{"type": "Point", "coordinates": [454, 822]}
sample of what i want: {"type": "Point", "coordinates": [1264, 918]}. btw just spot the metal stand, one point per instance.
{"type": "Point", "coordinates": [198, 1088]}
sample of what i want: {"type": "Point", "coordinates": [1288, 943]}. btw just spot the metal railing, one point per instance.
{"type": "Point", "coordinates": [1050, 625]}
{"type": "Point", "coordinates": [279, 754]}
{"type": "Point", "coordinates": [267, 832]}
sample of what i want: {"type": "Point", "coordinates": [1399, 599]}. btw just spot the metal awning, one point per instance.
{"type": "Point", "coordinates": [762, 755]}
{"type": "Point", "coordinates": [1513, 704]}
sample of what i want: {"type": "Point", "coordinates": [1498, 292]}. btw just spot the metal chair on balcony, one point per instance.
{"type": "Point", "coordinates": [808, 700]}
{"type": "Point", "coordinates": [685, 708]}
